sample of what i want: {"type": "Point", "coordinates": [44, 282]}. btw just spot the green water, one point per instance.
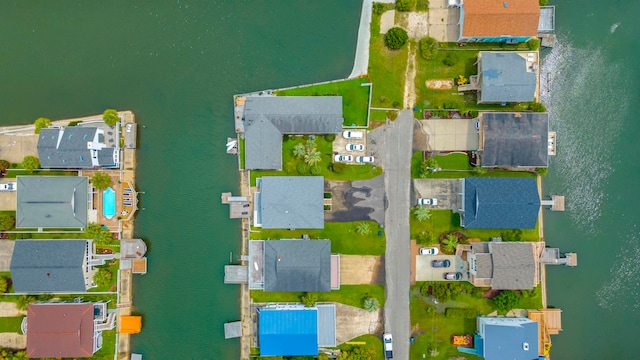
{"type": "Point", "coordinates": [176, 64]}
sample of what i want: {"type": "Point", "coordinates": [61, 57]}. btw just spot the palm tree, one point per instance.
{"type": "Point", "coordinates": [310, 145]}
{"type": "Point", "coordinates": [312, 157]}
{"type": "Point", "coordinates": [371, 304]}
{"type": "Point", "coordinates": [450, 242]}
{"type": "Point", "coordinates": [422, 213]}
{"type": "Point", "coordinates": [299, 150]}
{"type": "Point", "coordinates": [363, 228]}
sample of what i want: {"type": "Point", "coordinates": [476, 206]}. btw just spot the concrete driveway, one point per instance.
{"type": "Point", "coordinates": [447, 135]}
{"type": "Point", "coordinates": [447, 191]}
{"type": "Point", "coordinates": [426, 272]}
{"type": "Point", "coordinates": [340, 145]}
{"type": "Point", "coordinates": [6, 253]}
{"type": "Point", "coordinates": [356, 200]}
{"type": "Point", "coordinates": [443, 21]}
{"type": "Point", "coordinates": [352, 322]}
{"type": "Point", "coordinates": [8, 200]}
{"type": "Point", "coordinates": [14, 147]}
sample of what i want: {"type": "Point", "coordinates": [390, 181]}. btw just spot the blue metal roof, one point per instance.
{"type": "Point", "coordinates": [509, 338]}
{"type": "Point", "coordinates": [501, 203]}
{"type": "Point", "coordinates": [288, 332]}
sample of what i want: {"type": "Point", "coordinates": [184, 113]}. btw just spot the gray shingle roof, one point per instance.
{"type": "Point", "coordinates": [484, 266]}
{"type": "Point", "coordinates": [504, 78]}
{"type": "Point", "coordinates": [266, 118]}
{"type": "Point", "coordinates": [297, 265]}
{"type": "Point", "coordinates": [501, 203]}
{"type": "Point", "coordinates": [48, 266]}
{"type": "Point", "coordinates": [515, 139]}
{"type": "Point", "coordinates": [503, 338]}
{"type": "Point", "coordinates": [52, 201]}
{"type": "Point", "coordinates": [292, 202]}
{"type": "Point", "coordinates": [514, 266]}
{"type": "Point", "coordinates": [68, 148]}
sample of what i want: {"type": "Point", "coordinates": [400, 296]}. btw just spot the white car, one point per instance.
{"type": "Point", "coordinates": [352, 135]}
{"type": "Point", "coordinates": [355, 147]}
{"type": "Point", "coordinates": [387, 339]}
{"type": "Point", "coordinates": [429, 251]}
{"type": "Point", "coordinates": [10, 186]}
{"type": "Point", "coordinates": [428, 201]}
{"type": "Point", "coordinates": [364, 159]}
{"type": "Point", "coordinates": [343, 158]}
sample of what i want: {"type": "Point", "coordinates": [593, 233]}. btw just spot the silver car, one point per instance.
{"type": "Point", "coordinates": [355, 147]}
{"type": "Point", "coordinates": [343, 158]}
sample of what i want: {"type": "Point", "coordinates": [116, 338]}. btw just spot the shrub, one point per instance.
{"type": "Point", "coordinates": [363, 228]}
{"type": "Point", "coordinates": [425, 238]}
{"type": "Point", "coordinates": [428, 48]}
{"type": "Point", "coordinates": [7, 222]}
{"type": "Point", "coordinates": [392, 115]}
{"type": "Point", "coordinates": [543, 2]}
{"type": "Point", "coordinates": [460, 313]}
{"type": "Point", "coordinates": [371, 304]}
{"type": "Point", "coordinates": [395, 104]}
{"type": "Point", "coordinates": [378, 8]}
{"type": "Point", "coordinates": [101, 180]}
{"type": "Point", "coordinates": [314, 169]}
{"type": "Point", "coordinates": [328, 195]}
{"type": "Point", "coordinates": [286, 137]}
{"type": "Point", "coordinates": [330, 137]}
{"type": "Point", "coordinates": [422, 5]}
{"type": "Point", "coordinates": [422, 213]}
{"type": "Point", "coordinates": [506, 300]}
{"type": "Point", "coordinates": [405, 5]}
{"type": "Point", "coordinates": [4, 165]}
{"type": "Point", "coordinates": [41, 123]}
{"type": "Point", "coordinates": [451, 58]}
{"type": "Point", "coordinates": [309, 299]}
{"type": "Point", "coordinates": [542, 171]}
{"type": "Point", "coordinates": [30, 163]}
{"type": "Point", "coordinates": [302, 168]}
{"type": "Point", "coordinates": [533, 44]}
{"type": "Point", "coordinates": [99, 234]}
{"type": "Point", "coordinates": [537, 107]}
{"type": "Point", "coordinates": [74, 123]}
{"type": "Point", "coordinates": [396, 37]}
{"type": "Point", "coordinates": [102, 277]}
{"type": "Point", "coordinates": [110, 117]}
{"type": "Point", "coordinates": [511, 235]}
{"type": "Point", "coordinates": [338, 167]}
{"type": "Point", "coordinates": [461, 80]}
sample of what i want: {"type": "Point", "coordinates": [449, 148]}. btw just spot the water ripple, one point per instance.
{"type": "Point", "coordinates": [621, 290]}
{"type": "Point", "coordinates": [584, 94]}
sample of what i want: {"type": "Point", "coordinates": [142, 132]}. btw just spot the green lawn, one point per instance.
{"type": "Point", "coordinates": [291, 164]}
{"type": "Point", "coordinates": [344, 239]}
{"type": "Point", "coordinates": [355, 97]}
{"type": "Point", "coordinates": [241, 151]}
{"type": "Point", "coordinates": [353, 295]}
{"type": "Point", "coordinates": [446, 221]}
{"type": "Point", "coordinates": [436, 69]}
{"type": "Point", "coordinates": [114, 277]}
{"type": "Point", "coordinates": [108, 349]}
{"type": "Point", "coordinates": [461, 168]}
{"type": "Point", "coordinates": [386, 68]}
{"type": "Point", "coordinates": [372, 346]}
{"type": "Point", "coordinates": [13, 173]}
{"type": "Point", "coordinates": [10, 324]}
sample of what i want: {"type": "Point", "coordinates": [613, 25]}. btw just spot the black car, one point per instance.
{"type": "Point", "coordinates": [441, 263]}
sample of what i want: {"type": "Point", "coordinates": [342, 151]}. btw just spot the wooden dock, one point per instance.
{"type": "Point", "coordinates": [556, 203]}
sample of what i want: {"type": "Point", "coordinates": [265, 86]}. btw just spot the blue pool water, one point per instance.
{"type": "Point", "coordinates": [109, 203]}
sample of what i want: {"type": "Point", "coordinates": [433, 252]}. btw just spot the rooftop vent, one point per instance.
{"type": "Point", "coordinates": [525, 346]}
{"type": "Point", "coordinates": [505, 4]}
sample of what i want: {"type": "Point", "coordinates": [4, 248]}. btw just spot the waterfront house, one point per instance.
{"type": "Point", "coordinates": [295, 330]}
{"type": "Point", "coordinates": [66, 330]}
{"type": "Point", "coordinates": [79, 147]}
{"type": "Point", "coordinates": [267, 118]}
{"type": "Point", "coordinates": [289, 202]}
{"type": "Point", "coordinates": [54, 266]}
{"type": "Point", "coordinates": [499, 203]}
{"type": "Point", "coordinates": [514, 139]}
{"type": "Point", "coordinates": [297, 265]}
{"type": "Point", "coordinates": [510, 21]}
{"type": "Point", "coordinates": [504, 265]}
{"type": "Point", "coordinates": [505, 338]}
{"type": "Point", "coordinates": [505, 77]}
{"type": "Point", "coordinates": [52, 201]}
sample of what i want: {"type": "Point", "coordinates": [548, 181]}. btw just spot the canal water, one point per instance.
{"type": "Point", "coordinates": [176, 65]}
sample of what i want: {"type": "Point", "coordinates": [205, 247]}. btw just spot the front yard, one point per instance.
{"type": "Point", "coordinates": [456, 166]}
{"type": "Point", "coordinates": [355, 97]}
{"type": "Point", "coordinates": [343, 236]}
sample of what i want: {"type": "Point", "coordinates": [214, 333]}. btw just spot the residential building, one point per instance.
{"type": "Point", "coordinates": [289, 202]}
{"type": "Point", "coordinates": [297, 265]}
{"type": "Point", "coordinates": [506, 77]}
{"type": "Point", "coordinates": [514, 139]}
{"type": "Point", "coordinates": [295, 330]}
{"type": "Point", "coordinates": [52, 201]}
{"type": "Point", "coordinates": [510, 21]}
{"type": "Point", "coordinates": [499, 203]}
{"type": "Point", "coordinates": [504, 265]}
{"type": "Point", "coordinates": [78, 147]}
{"type": "Point", "coordinates": [267, 118]}
{"type": "Point", "coordinates": [54, 266]}
{"type": "Point", "coordinates": [66, 330]}
{"type": "Point", "coordinates": [505, 338]}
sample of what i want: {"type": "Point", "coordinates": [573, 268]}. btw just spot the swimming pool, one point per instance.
{"type": "Point", "coordinates": [108, 203]}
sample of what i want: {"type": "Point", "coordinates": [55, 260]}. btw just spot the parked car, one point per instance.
{"type": "Point", "coordinates": [441, 263]}
{"type": "Point", "coordinates": [343, 158]}
{"type": "Point", "coordinates": [428, 201]}
{"type": "Point", "coordinates": [429, 251]}
{"type": "Point", "coordinates": [364, 159]}
{"type": "Point", "coordinates": [10, 186]}
{"type": "Point", "coordinates": [388, 345]}
{"type": "Point", "coordinates": [355, 147]}
{"type": "Point", "coordinates": [452, 276]}
{"type": "Point", "coordinates": [352, 134]}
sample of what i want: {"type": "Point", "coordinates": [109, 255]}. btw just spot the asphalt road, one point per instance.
{"type": "Point", "coordinates": [396, 159]}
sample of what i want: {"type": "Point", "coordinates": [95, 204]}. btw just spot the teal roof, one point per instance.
{"type": "Point", "coordinates": [507, 338]}
{"type": "Point", "coordinates": [288, 332]}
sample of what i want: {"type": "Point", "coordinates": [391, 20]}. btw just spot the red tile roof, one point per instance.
{"type": "Point", "coordinates": [59, 330]}
{"type": "Point", "coordinates": [492, 18]}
